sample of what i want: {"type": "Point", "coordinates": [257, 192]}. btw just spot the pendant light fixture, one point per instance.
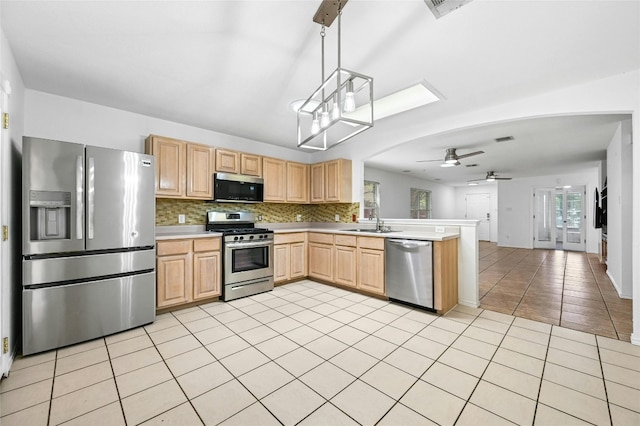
{"type": "Point", "coordinates": [342, 106]}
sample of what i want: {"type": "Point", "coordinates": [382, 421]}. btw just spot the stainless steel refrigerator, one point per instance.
{"type": "Point", "coordinates": [88, 242]}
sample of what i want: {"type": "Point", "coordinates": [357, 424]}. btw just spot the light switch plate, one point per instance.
{"type": "Point", "coordinates": [337, 218]}
{"type": "Point", "coordinates": [298, 218]}
{"type": "Point", "coordinates": [181, 218]}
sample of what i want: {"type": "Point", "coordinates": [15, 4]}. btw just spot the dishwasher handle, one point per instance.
{"type": "Point", "coordinates": [410, 243]}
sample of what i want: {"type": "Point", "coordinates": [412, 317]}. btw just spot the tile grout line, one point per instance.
{"type": "Point", "coordinates": [53, 382]}
{"type": "Point", "coordinates": [115, 381]}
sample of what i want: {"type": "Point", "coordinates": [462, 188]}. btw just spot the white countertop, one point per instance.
{"type": "Point", "coordinates": [412, 235]}
{"type": "Point", "coordinates": [175, 233]}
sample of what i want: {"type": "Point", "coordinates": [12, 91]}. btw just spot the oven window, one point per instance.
{"type": "Point", "coordinates": [249, 259]}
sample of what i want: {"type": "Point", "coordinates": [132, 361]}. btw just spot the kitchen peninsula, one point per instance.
{"type": "Point", "coordinates": [295, 241]}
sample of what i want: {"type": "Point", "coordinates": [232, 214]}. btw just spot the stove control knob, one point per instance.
{"type": "Point", "coordinates": [251, 237]}
{"type": "Point", "coordinates": [235, 238]}
{"type": "Point", "coordinates": [241, 238]}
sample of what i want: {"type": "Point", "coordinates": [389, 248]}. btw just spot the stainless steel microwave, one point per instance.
{"type": "Point", "coordinates": [230, 188]}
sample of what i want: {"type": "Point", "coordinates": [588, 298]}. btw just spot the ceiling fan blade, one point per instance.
{"type": "Point", "coordinates": [470, 154]}
{"type": "Point", "coordinates": [428, 161]}
{"type": "Point", "coordinates": [499, 178]}
{"type": "Point", "coordinates": [476, 180]}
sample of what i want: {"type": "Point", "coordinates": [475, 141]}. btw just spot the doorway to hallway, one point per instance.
{"type": "Point", "coordinates": [478, 207]}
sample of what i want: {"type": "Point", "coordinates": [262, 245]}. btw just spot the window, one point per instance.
{"type": "Point", "coordinates": [420, 204]}
{"type": "Point", "coordinates": [371, 198]}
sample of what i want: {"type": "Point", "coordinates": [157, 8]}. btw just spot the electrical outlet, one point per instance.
{"type": "Point", "coordinates": [337, 218]}
{"type": "Point", "coordinates": [298, 218]}
{"type": "Point", "coordinates": [259, 218]}
{"type": "Point", "coordinates": [181, 218]}
{"type": "Point", "coordinates": [440, 229]}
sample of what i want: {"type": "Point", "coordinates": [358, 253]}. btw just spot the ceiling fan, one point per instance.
{"type": "Point", "coordinates": [451, 159]}
{"type": "Point", "coordinates": [491, 177]}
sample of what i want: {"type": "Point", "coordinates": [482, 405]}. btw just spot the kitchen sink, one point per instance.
{"type": "Point", "coordinates": [382, 231]}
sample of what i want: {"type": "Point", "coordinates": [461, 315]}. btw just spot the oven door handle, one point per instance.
{"type": "Point", "coordinates": [248, 245]}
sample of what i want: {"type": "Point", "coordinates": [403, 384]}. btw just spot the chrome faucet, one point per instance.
{"type": "Point", "coordinates": [379, 223]}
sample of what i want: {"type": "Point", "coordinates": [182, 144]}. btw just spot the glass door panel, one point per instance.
{"type": "Point", "coordinates": [573, 229]}
{"type": "Point", "coordinates": [544, 223]}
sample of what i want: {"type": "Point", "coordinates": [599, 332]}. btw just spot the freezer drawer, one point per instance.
{"type": "Point", "coordinates": [409, 271]}
{"type": "Point", "coordinates": [64, 315]}
{"type": "Point", "coordinates": [87, 267]}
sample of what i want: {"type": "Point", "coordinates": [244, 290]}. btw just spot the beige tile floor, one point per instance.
{"type": "Point", "coordinates": [311, 354]}
{"type": "Point", "coordinates": [557, 287]}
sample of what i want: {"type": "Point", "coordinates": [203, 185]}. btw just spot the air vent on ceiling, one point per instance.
{"type": "Point", "coordinates": [504, 139]}
{"type": "Point", "coordinates": [471, 165]}
{"type": "Point", "coordinates": [439, 8]}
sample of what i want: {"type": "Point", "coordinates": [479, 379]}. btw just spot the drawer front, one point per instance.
{"type": "Point", "coordinates": [295, 237]}
{"type": "Point", "coordinates": [346, 240]}
{"type": "Point", "coordinates": [206, 244]}
{"type": "Point", "coordinates": [167, 248]}
{"type": "Point", "coordinates": [374, 243]}
{"type": "Point", "coordinates": [315, 237]}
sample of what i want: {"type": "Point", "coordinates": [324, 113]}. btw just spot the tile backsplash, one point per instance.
{"type": "Point", "coordinates": [167, 211]}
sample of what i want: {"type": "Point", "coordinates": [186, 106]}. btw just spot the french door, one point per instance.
{"type": "Point", "coordinates": [559, 218]}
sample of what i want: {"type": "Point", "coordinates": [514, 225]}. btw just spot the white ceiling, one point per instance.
{"type": "Point", "coordinates": [234, 66]}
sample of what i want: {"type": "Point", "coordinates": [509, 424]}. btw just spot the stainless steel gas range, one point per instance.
{"type": "Point", "coordinates": [247, 254]}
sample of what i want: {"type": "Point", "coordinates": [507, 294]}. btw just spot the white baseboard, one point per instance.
{"type": "Point", "coordinates": [617, 287]}
{"type": "Point", "coordinates": [468, 303]}
{"type": "Point", "coordinates": [635, 339]}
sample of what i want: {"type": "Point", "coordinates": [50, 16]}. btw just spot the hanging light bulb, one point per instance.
{"type": "Point", "coordinates": [315, 124]}
{"type": "Point", "coordinates": [324, 117]}
{"type": "Point", "coordinates": [335, 108]}
{"type": "Point", "coordinates": [349, 99]}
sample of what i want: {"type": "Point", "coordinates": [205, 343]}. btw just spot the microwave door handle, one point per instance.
{"type": "Point", "coordinates": [79, 197]}
{"type": "Point", "coordinates": [90, 197]}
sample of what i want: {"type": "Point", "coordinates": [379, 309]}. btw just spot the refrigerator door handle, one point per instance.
{"type": "Point", "coordinates": [90, 197]}
{"type": "Point", "coordinates": [79, 196]}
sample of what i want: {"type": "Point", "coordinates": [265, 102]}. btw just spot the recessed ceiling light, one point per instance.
{"type": "Point", "coordinates": [406, 171]}
{"type": "Point", "coordinates": [504, 139]}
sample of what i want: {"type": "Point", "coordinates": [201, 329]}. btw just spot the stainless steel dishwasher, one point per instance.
{"type": "Point", "coordinates": [409, 271]}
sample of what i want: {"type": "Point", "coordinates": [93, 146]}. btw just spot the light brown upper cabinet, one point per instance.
{"type": "Point", "coordinates": [227, 161]}
{"type": "Point", "coordinates": [317, 183]}
{"type": "Point", "coordinates": [331, 182]}
{"type": "Point", "coordinates": [297, 182]}
{"type": "Point", "coordinates": [199, 171]}
{"type": "Point", "coordinates": [250, 164]}
{"type": "Point", "coordinates": [275, 180]}
{"type": "Point", "coordinates": [285, 181]}
{"type": "Point", "coordinates": [183, 169]}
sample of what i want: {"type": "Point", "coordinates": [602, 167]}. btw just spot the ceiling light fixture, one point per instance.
{"type": "Point", "coordinates": [473, 183]}
{"type": "Point", "coordinates": [348, 95]}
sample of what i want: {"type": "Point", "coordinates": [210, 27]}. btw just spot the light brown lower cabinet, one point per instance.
{"type": "Point", "coordinates": [346, 260]}
{"type": "Point", "coordinates": [371, 264]}
{"type": "Point", "coordinates": [187, 270]}
{"type": "Point", "coordinates": [445, 275]}
{"type": "Point", "coordinates": [321, 256]}
{"type": "Point", "coordinates": [290, 257]}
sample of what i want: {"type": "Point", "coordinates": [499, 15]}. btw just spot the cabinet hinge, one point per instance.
{"type": "Point", "coordinates": [5, 120]}
{"type": "Point", "coordinates": [5, 345]}
{"type": "Point", "coordinates": [5, 232]}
